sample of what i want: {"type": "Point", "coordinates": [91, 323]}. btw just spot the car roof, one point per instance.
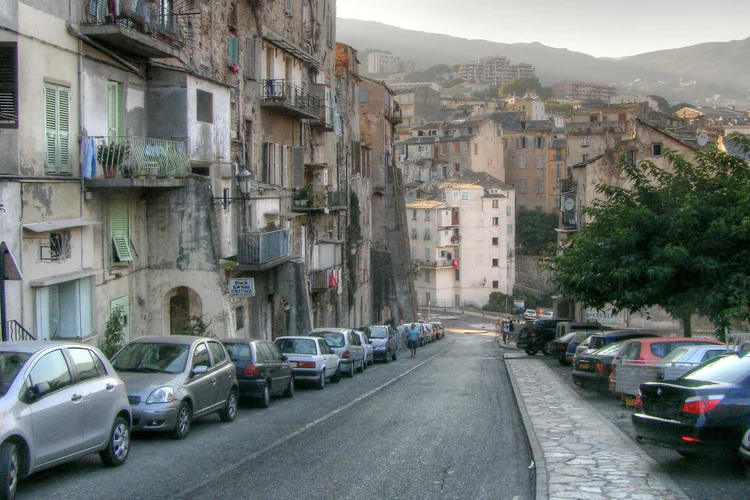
{"type": "Point", "coordinates": [32, 346]}
{"type": "Point", "coordinates": [621, 333]}
{"type": "Point", "coordinates": [293, 337]}
{"type": "Point", "coordinates": [170, 339]}
{"type": "Point", "coordinates": [652, 340]}
{"type": "Point", "coordinates": [241, 340]}
{"type": "Point", "coordinates": [328, 330]}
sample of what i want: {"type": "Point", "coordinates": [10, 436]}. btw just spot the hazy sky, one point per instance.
{"type": "Point", "coordinates": [610, 28]}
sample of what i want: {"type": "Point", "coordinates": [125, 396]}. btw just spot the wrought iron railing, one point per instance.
{"type": "Point", "coordinates": [261, 248]}
{"type": "Point", "coordinates": [16, 331]}
{"type": "Point", "coordinates": [156, 19]}
{"type": "Point", "coordinates": [132, 157]}
{"type": "Point", "coordinates": [289, 94]}
{"type": "Point", "coordinates": [393, 113]}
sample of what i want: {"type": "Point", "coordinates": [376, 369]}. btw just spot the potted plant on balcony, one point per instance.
{"type": "Point", "coordinates": [303, 196]}
{"type": "Point", "coordinates": [110, 155]}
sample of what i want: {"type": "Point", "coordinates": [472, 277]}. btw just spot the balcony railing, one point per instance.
{"type": "Point", "coordinates": [261, 248]}
{"type": "Point", "coordinates": [16, 331]}
{"type": "Point", "coordinates": [325, 279]}
{"type": "Point", "coordinates": [588, 128]}
{"type": "Point", "coordinates": [331, 199]}
{"type": "Point", "coordinates": [133, 157]}
{"type": "Point", "coordinates": [327, 113]}
{"type": "Point", "coordinates": [393, 113]}
{"type": "Point", "coordinates": [148, 28]}
{"type": "Point", "coordinates": [289, 99]}
{"type": "Point", "coordinates": [434, 264]}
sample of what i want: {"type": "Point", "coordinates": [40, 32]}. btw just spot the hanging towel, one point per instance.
{"type": "Point", "coordinates": [88, 165]}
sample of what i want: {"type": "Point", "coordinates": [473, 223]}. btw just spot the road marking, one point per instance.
{"type": "Point", "coordinates": [231, 468]}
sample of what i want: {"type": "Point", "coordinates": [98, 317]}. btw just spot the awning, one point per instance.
{"type": "Point", "coordinates": [64, 278]}
{"type": "Point", "coordinates": [291, 48]}
{"type": "Point", "coordinates": [55, 225]}
{"type": "Point", "coordinates": [284, 214]}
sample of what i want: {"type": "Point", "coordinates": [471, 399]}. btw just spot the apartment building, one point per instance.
{"type": "Point", "coordinates": [584, 91]}
{"type": "Point", "coordinates": [557, 171]}
{"type": "Point", "coordinates": [462, 242]}
{"type": "Point", "coordinates": [495, 70]}
{"type": "Point", "coordinates": [533, 109]}
{"type": "Point", "coordinates": [380, 63]}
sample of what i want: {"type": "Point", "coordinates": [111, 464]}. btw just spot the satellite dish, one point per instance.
{"type": "Point", "coordinates": [702, 139]}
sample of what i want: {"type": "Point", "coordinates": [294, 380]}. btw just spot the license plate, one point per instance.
{"type": "Point", "coordinates": [583, 365]}
{"type": "Point", "coordinates": [293, 363]}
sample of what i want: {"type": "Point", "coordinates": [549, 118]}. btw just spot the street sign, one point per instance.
{"type": "Point", "coordinates": [518, 304]}
{"type": "Point", "coordinates": [242, 288]}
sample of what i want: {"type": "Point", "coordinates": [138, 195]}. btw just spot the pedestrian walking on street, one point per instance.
{"type": "Point", "coordinates": [506, 332]}
{"type": "Point", "coordinates": [511, 328]}
{"type": "Point", "coordinates": [412, 333]}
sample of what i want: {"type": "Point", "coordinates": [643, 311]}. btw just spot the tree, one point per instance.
{"type": "Point", "coordinates": [520, 87]}
{"type": "Point", "coordinates": [114, 337]}
{"type": "Point", "coordinates": [535, 231]}
{"type": "Point", "coordinates": [676, 238]}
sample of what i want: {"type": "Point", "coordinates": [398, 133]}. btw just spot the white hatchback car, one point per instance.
{"type": "Point", "coordinates": [311, 359]}
{"type": "Point", "coordinates": [529, 314]}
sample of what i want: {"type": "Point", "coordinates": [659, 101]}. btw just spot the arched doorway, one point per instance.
{"type": "Point", "coordinates": [183, 305]}
{"type": "Point", "coordinates": [384, 315]}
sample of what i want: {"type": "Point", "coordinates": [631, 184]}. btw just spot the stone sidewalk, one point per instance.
{"type": "Point", "coordinates": [578, 453]}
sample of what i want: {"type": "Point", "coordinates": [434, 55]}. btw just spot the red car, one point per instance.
{"type": "Point", "coordinates": [649, 350]}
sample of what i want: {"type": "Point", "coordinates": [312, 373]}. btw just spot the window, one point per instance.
{"type": "Point", "coordinates": [63, 311]}
{"type": "Point", "coordinates": [119, 221]}
{"type": "Point", "coordinates": [414, 253]}
{"type": "Point", "coordinates": [521, 142]}
{"type": "Point", "coordinates": [330, 27]}
{"type": "Point", "coordinates": [204, 106]}
{"type": "Point", "coordinates": [413, 215]}
{"type": "Point", "coordinates": [233, 51]}
{"type": "Point", "coordinates": [507, 210]}
{"type": "Point", "coordinates": [8, 85]}
{"type": "Point", "coordinates": [414, 233]}
{"type": "Point", "coordinates": [585, 141]}
{"type": "Point", "coordinates": [621, 117]}
{"type": "Point", "coordinates": [427, 233]}
{"type": "Point", "coordinates": [558, 170]}
{"type": "Point", "coordinates": [510, 228]}
{"type": "Point", "coordinates": [631, 156]}
{"type": "Point", "coordinates": [457, 167]}
{"type": "Point", "coordinates": [87, 364]}
{"type": "Point", "coordinates": [51, 369]}
{"type": "Point", "coordinates": [522, 162]}
{"type": "Point", "coordinates": [656, 149]}
{"type": "Point", "coordinates": [557, 203]}
{"type": "Point", "coordinates": [476, 148]}
{"type": "Point", "coordinates": [60, 247]}
{"type": "Point", "coordinates": [470, 130]}
{"type": "Point", "coordinates": [457, 275]}
{"type": "Point", "coordinates": [558, 154]}
{"type": "Point", "coordinates": [443, 149]}
{"type": "Point", "coordinates": [558, 184]}
{"type": "Point", "coordinates": [539, 142]}
{"type": "Point", "coordinates": [201, 357]}
{"type": "Point", "coordinates": [464, 195]}
{"type": "Point", "coordinates": [427, 275]}
{"type": "Point", "coordinates": [364, 96]}
{"type": "Point", "coordinates": [496, 221]}
{"type": "Point", "coordinates": [495, 285]}
{"type": "Point", "coordinates": [289, 5]}
{"type": "Point", "coordinates": [495, 241]}
{"type": "Point", "coordinates": [495, 262]}
{"type": "Point", "coordinates": [115, 110]}
{"type": "Point", "coordinates": [427, 254]}
{"type": "Point", "coordinates": [56, 129]}
{"type": "Point", "coordinates": [522, 186]}
{"type": "Point", "coordinates": [426, 215]}
{"type": "Point", "coordinates": [251, 64]}
{"type": "Point", "coordinates": [539, 162]}
{"type": "Point", "coordinates": [538, 186]}
{"type": "Point", "coordinates": [456, 148]}
{"type": "Point", "coordinates": [217, 352]}
{"type": "Point", "coordinates": [305, 12]}
{"type": "Point", "coordinates": [593, 118]}
{"type": "Point", "coordinates": [239, 317]}
{"type": "Point", "coordinates": [495, 203]}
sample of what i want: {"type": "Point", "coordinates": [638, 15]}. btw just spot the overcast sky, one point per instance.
{"type": "Point", "coordinates": [612, 28]}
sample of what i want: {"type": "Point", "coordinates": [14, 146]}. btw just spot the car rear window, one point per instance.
{"type": "Point", "coordinates": [726, 369]}
{"type": "Point", "coordinates": [239, 352]}
{"type": "Point", "coordinates": [10, 364]}
{"type": "Point", "coordinates": [568, 337]}
{"type": "Point", "coordinates": [661, 349]}
{"type": "Point", "coordinates": [333, 339]}
{"type": "Point", "coordinates": [296, 346]}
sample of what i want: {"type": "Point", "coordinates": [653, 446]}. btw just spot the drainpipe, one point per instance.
{"type": "Point", "coordinates": [73, 31]}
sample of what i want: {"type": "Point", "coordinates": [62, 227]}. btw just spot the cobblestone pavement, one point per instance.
{"type": "Point", "coordinates": [578, 453]}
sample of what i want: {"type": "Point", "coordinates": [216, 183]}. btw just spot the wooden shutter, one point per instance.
{"type": "Point", "coordinates": [57, 129]}
{"type": "Point", "coordinates": [266, 161]}
{"type": "Point", "coordinates": [63, 129]}
{"type": "Point", "coordinates": [50, 129]}
{"type": "Point", "coordinates": [8, 85]}
{"type": "Point", "coordinates": [250, 58]}
{"type": "Point", "coordinates": [118, 228]}
{"type": "Point", "coordinates": [115, 109]}
{"type": "Point", "coordinates": [298, 167]}
{"type": "Point", "coordinates": [276, 166]}
{"type": "Point", "coordinates": [233, 52]}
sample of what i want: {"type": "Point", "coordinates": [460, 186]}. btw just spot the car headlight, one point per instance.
{"type": "Point", "coordinates": [161, 395]}
{"type": "Point", "coordinates": [379, 348]}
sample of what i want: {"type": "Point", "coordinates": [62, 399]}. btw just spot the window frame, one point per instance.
{"type": "Point", "coordinates": [9, 85]}
{"type": "Point", "coordinates": [57, 129]}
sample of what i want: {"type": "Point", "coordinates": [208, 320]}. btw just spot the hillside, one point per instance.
{"type": "Point", "coordinates": [717, 67]}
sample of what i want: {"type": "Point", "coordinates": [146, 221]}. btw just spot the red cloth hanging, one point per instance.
{"type": "Point", "coordinates": [455, 263]}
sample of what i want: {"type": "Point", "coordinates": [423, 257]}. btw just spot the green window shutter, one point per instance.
{"type": "Point", "coordinates": [115, 109]}
{"type": "Point", "coordinates": [63, 130]}
{"type": "Point", "coordinates": [57, 129]}
{"type": "Point", "coordinates": [234, 51]}
{"type": "Point", "coordinates": [118, 228]}
{"type": "Point", "coordinates": [50, 129]}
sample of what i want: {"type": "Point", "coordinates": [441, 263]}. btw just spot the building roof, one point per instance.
{"type": "Point", "coordinates": [429, 140]}
{"type": "Point", "coordinates": [476, 122]}
{"type": "Point", "coordinates": [734, 148]}
{"type": "Point", "coordinates": [712, 112]}
{"type": "Point", "coordinates": [557, 143]}
{"type": "Point", "coordinates": [589, 161]}
{"type": "Point", "coordinates": [428, 126]}
{"type": "Point", "coordinates": [690, 141]}
{"type": "Point", "coordinates": [425, 204]}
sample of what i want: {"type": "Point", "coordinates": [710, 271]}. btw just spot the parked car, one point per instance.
{"type": "Point", "coordinates": [367, 344]}
{"type": "Point", "coordinates": [548, 314]}
{"type": "Point", "coordinates": [745, 450]}
{"type": "Point", "coordinates": [58, 402]}
{"type": "Point", "coordinates": [262, 370]}
{"type": "Point", "coordinates": [559, 347]}
{"type": "Point", "coordinates": [564, 327]}
{"type": "Point", "coordinates": [574, 343]}
{"type": "Point", "coordinates": [429, 332]}
{"type": "Point", "coordinates": [439, 330]}
{"type": "Point", "coordinates": [537, 337]}
{"type": "Point", "coordinates": [705, 410]}
{"type": "Point", "coordinates": [383, 338]}
{"type": "Point", "coordinates": [172, 379]}
{"type": "Point", "coordinates": [599, 340]}
{"type": "Point", "coordinates": [312, 359]}
{"type": "Point", "coordinates": [684, 359]}
{"type": "Point", "coordinates": [591, 370]}
{"type": "Point", "coordinates": [347, 346]}
{"type": "Point", "coordinates": [529, 314]}
{"type": "Point", "coordinates": [649, 350]}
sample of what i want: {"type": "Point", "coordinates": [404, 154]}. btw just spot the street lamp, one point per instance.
{"type": "Point", "coordinates": [243, 184]}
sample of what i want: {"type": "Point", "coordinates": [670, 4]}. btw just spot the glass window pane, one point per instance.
{"type": "Point", "coordinates": [84, 363]}
{"type": "Point", "coordinates": [51, 369]}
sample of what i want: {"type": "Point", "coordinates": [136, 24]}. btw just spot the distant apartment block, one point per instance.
{"type": "Point", "coordinates": [380, 63]}
{"type": "Point", "coordinates": [419, 103]}
{"type": "Point", "coordinates": [584, 91]}
{"type": "Point", "coordinates": [495, 70]}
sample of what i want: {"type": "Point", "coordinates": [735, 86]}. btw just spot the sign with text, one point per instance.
{"type": "Point", "coordinates": [518, 304]}
{"type": "Point", "coordinates": [242, 288]}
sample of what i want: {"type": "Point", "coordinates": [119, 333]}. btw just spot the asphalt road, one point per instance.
{"type": "Point", "coordinates": [442, 425]}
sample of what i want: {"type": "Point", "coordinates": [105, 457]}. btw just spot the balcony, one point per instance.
{"type": "Point", "coordinates": [258, 251]}
{"type": "Point", "coordinates": [449, 240]}
{"type": "Point", "coordinates": [133, 161]}
{"type": "Point", "coordinates": [149, 29]}
{"type": "Point", "coordinates": [324, 122]}
{"type": "Point", "coordinates": [393, 113]}
{"type": "Point", "coordinates": [331, 200]}
{"type": "Point", "coordinates": [447, 220]}
{"type": "Point", "coordinates": [435, 264]}
{"type": "Point", "coordinates": [289, 99]}
{"type": "Point", "coordinates": [325, 279]}
{"type": "Point", "coordinates": [591, 128]}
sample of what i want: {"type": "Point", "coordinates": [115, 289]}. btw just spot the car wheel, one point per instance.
{"type": "Point", "coordinates": [563, 361]}
{"type": "Point", "coordinates": [362, 366]}
{"type": "Point", "coordinates": [118, 446]}
{"type": "Point", "coordinates": [395, 355]}
{"type": "Point", "coordinates": [337, 376]}
{"type": "Point", "coordinates": [531, 351]}
{"type": "Point", "coordinates": [545, 349]}
{"type": "Point", "coordinates": [9, 469]}
{"type": "Point", "coordinates": [265, 398]}
{"type": "Point", "coordinates": [321, 383]}
{"type": "Point", "coordinates": [387, 357]}
{"type": "Point", "coordinates": [289, 392]}
{"type": "Point", "coordinates": [184, 416]}
{"type": "Point", "coordinates": [230, 410]}
{"type": "Point", "coordinates": [351, 370]}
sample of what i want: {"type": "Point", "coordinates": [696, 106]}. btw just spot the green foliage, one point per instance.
{"type": "Point", "coordinates": [560, 108]}
{"type": "Point", "coordinates": [113, 333]}
{"type": "Point", "coordinates": [453, 82]}
{"type": "Point", "coordinates": [520, 87]}
{"type": "Point", "coordinates": [535, 231]}
{"type": "Point", "coordinates": [678, 238]}
{"type": "Point", "coordinates": [185, 324]}
{"type": "Point", "coordinates": [353, 234]}
{"type": "Point", "coordinates": [500, 302]}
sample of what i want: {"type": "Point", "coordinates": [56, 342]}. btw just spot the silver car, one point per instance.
{"type": "Point", "coordinates": [172, 379]}
{"type": "Point", "coordinates": [58, 401]}
{"type": "Point", "coordinates": [346, 344]}
{"type": "Point", "coordinates": [311, 359]}
{"type": "Point", "coordinates": [367, 344]}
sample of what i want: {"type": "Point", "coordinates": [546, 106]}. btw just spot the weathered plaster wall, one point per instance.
{"type": "Point", "coordinates": [95, 104]}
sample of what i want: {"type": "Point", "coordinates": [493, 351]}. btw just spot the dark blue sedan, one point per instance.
{"type": "Point", "coordinates": [707, 409]}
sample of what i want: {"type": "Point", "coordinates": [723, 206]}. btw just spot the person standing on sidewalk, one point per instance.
{"type": "Point", "coordinates": [506, 332]}
{"type": "Point", "coordinates": [412, 334]}
{"type": "Point", "coordinates": [511, 329]}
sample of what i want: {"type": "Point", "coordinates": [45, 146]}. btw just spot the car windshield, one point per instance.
{"type": "Point", "coordinates": [378, 332]}
{"type": "Point", "coordinates": [727, 369]}
{"type": "Point", "coordinates": [333, 339]}
{"type": "Point", "coordinates": [151, 357]}
{"type": "Point", "coordinates": [567, 337]}
{"type": "Point", "coordinates": [296, 346]}
{"type": "Point", "coordinates": [676, 354]}
{"type": "Point", "coordinates": [10, 364]}
{"type": "Point", "coordinates": [596, 342]}
{"type": "Point", "coordinates": [609, 350]}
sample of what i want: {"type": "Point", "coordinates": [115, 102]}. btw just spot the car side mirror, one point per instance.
{"type": "Point", "coordinates": [38, 390]}
{"type": "Point", "coordinates": [369, 341]}
{"type": "Point", "coordinates": [283, 356]}
{"type": "Point", "coordinates": [200, 370]}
